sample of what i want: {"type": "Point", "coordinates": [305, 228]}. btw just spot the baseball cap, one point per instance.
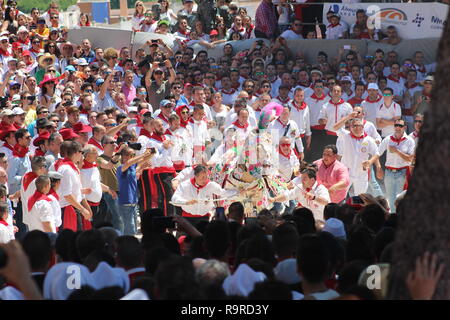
{"type": "Point", "coordinates": [6, 112]}
{"type": "Point", "coordinates": [18, 111]}
{"type": "Point", "coordinates": [67, 134]}
{"type": "Point", "coordinates": [26, 53]}
{"type": "Point", "coordinates": [14, 83]}
{"type": "Point", "coordinates": [346, 78]}
{"type": "Point", "coordinates": [132, 109]}
{"type": "Point", "coordinates": [42, 137]}
{"type": "Point", "coordinates": [4, 38]}
{"type": "Point", "coordinates": [22, 29]}
{"type": "Point", "coordinates": [214, 33]}
{"type": "Point", "coordinates": [99, 82]}
{"type": "Point", "coordinates": [373, 86]}
{"type": "Point", "coordinates": [42, 123]}
{"type": "Point", "coordinates": [70, 68]}
{"type": "Point", "coordinates": [80, 127]}
{"type": "Point", "coordinates": [187, 84]}
{"type": "Point", "coordinates": [82, 62]}
{"type": "Point", "coordinates": [15, 99]}
{"type": "Point", "coordinates": [317, 71]}
{"type": "Point", "coordinates": [164, 102]}
{"type": "Point", "coordinates": [335, 227]}
{"type": "Point", "coordinates": [163, 22]}
{"type": "Point", "coordinates": [40, 21]}
{"type": "Point", "coordinates": [54, 175]}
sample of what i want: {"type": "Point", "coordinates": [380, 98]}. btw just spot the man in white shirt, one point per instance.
{"type": "Point", "coordinates": [199, 129]}
{"type": "Point", "coordinates": [40, 211]}
{"type": "Point", "coordinates": [333, 111]}
{"type": "Point", "coordinates": [410, 88]}
{"type": "Point", "coordinates": [90, 178]}
{"type": "Point", "coordinates": [229, 94]}
{"type": "Point", "coordinates": [288, 166]}
{"type": "Point", "coordinates": [418, 121]}
{"type": "Point", "coordinates": [308, 192]}
{"type": "Point", "coordinates": [400, 152]}
{"type": "Point", "coordinates": [396, 82]}
{"type": "Point", "coordinates": [195, 196]}
{"type": "Point", "coordinates": [73, 207]}
{"type": "Point", "coordinates": [372, 103]}
{"type": "Point", "coordinates": [283, 95]}
{"type": "Point", "coordinates": [387, 113]}
{"type": "Point", "coordinates": [284, 127]}
{"type": "Point", "coordinates": [359, 152]}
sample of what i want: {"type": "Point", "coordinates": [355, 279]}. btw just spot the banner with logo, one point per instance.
{"type": "Point", "coordinates": [412, 20]}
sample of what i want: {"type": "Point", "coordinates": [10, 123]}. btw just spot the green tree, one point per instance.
{"type": "Point", "coordinates": [27, 5]}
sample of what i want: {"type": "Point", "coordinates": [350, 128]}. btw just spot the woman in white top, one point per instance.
{"type": "Point", "coordinates": [138, 16]}
{"type": "Point", "coordinates": [167, 13]}
{"type": "Point", "coordinates": [219, 111]}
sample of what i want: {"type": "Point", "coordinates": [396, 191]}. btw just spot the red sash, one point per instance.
{"type": "Point", "coordinates": [37, 196]}
{"type": "Point", "coordinates": [27, 179]}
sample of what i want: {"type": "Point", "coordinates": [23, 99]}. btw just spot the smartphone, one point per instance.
{"type": "Point", "coordinates": [162, 64]}
{"type": "Point", "coordinates": [347, 47]}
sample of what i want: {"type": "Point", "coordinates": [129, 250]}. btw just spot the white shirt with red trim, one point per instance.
{"type": "Point", "coordinates": [242, 131]}
{"type": "Point", "coordinates": [371, 131]}
{"type": "Point", "coordinates": [229, 96]}
{"type": "Point", "coordinates": [200, 133]}
{"type": "Point", "coordinates": [354, 151]}
{"type": "Point", "coordinates": [393, 160]}
{"type": "Point", "coordinates": [347, 96]}
{"type": "Point", "coordinates": [90, 178]}
{"type": "Point", "coordinates": [281, 101]}
{"type": "Point", "coordinates": [315, 105]}
{"type": "Point", "coordinates": [298, 193]}
{"type": "Point", "coordinates": [5, 234]}
{"type": "Point", "coordinates": [334, 112]}
{"type": "Point", "coordinates": [70, 185]}
{"type": "Point", "coordinates": [335, 32]}
{"type": "Point", "coordinates": [287, 165]}
{"type": "Point", "coordinates": [386, 113]}
{"type": "Point", "coordinates": [41, 212]}
{"type": "Point", "coordinates": [7, 151]}
{"type": "Point", "coordinates": [162, 157]}
{"type": "Point", "coordinates": [253, 117]}
{"type": "Point", "coordinates": [281, 129]}
{"type": "Point", "coordinates": [300, 115]}
{"type": "Point", "coordinates": [370, 108]}
{"type": "Point", "coordinates": [415, 136]}
{"type": "Point", "coordinates": [97, 145]}
{"type": "Point", "coordinates": [25, 194]}
{"type": "Point", "coordinates": [188, 190]}
{"type": "Point", "coordinates": [183, 148]}
{"type": "Point", "coordinates": [396, 84]}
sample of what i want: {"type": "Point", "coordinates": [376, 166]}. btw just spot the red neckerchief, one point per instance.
{"type": "Point", "coordinates": [88, 165]}
{"type": "Point", "coordinates": [68, 162]}
{"type": "Point", "coordinates": [421, 69]}
{"type": "Point", "coordinates": [26, 42]}
{"type": "Point", "coordinates": [197, 186]}
{"type": "Point", "coordinates": [8, 146]}
{"type": "Point", "coordinates": [287, 156]}
{"type": "Point", "coordinates": [341, 101]}
{"type": "Point", "coordinates": [151, 22]}
{"type": "Point", "coordinates": [39, 153]}
{"type": "Point", "coordinates": [184, 33]}
{"type": "Point", "coordinates": [4, 53]}
{"type": "Point", "coordinates": [372, 101]}
{"type": "Point", "coordinates": [314, 96]}
{"type": "Point", "coordinates": [283, 101]}
{"type": "Point", "coordinates": [415, 134]}
{"type": "Point", "coordinates": [235, 86]}
{"type": "Point", "coordinates": [28, 178]}
{"type": "Point", "coordinates": [3, 222]}
{"type": "Point", "coordinates": [144, 132]}
{"type": "Point", "coordinates": [249, 30]}
{"type": "Point", "coordinates": [397, 140]}
{"type": "Point", "coordinates": [83, 111]}
{"type": "Point", "coordinates": [355, 100]}
{"type": "Point", "coordinates": [19, 151]}
{"type": "Point", "coordinates": [53, 193]}
{"type": "Point", "coordinates": [37, 196]}
{"type": "Point", "coordinates": [239, 125]}
{"type": "Point", "coordinates": [231, 91]}
{"type": "Point", "coordinates": [240, 30]}
{"type": "Point", "coordinates": [301, 107]}
{"type": "Point", "coordinates": [334, 25]}
{"type": "Point", "coordinates": [178, 110]}
{"type": "Point", "coordinates": [95, 143]}
{"type": "Point", "coordinates": [358, 138]}
{"type": "Point", "coordinates": [284, 125]}
{"type": "Point", "coordinates": [408, 86]}
{"type": "Point", "coordinates": [35, 51]}
{"type": "Point", "coordinates": [390, 77]}
{"type": "Point", "coordinates": [157, 137]}
{"type": "Point", "coordinates": [163, 118]}
{"type": "Point", "coordinates": [168, 132]}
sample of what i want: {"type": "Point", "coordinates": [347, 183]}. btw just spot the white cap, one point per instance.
{"type": "Point", "coordinates": [373, 86]}
{"type": "Point", "coordinates": [335, 227]}
{"type": "Point", "coordinates": [6, 112]}
{"type": "Point", "coordinates": [132, 109]}
{"type": "Point", "coordinates": [55, 175]}
{"type": "Point", "coordinates": [4, 38]}
{"type": "Point", "coordinates": [346, 78]}
{"type": "Point", "coordinates": [82, 62]}
{"type": "Point", "coordinates": [17, 111]}
{"type": "Point", "coordinates": [22, 29]}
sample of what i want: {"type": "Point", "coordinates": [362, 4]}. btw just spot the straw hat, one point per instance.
{"type": "Point", "coordinates": [46, 56]}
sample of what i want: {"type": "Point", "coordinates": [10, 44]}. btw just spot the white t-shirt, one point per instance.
{"type": "Point", "coordinates": [291, 35]}
{"type": "Point", "coordinates": [90, 178]}
{"type": "Point", "coordinates": [405, 145]}
{"type": "Point", "coordinates": [388, 113]}
{"type": "Point", "coordinates": [41, 212]}
{"type": "Point", "coordinates": [70, 185]}
{"type": "Point", "coordinates": [334, 112]}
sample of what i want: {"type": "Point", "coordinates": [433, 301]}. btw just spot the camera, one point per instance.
{"type": "Point", "coordinates": [134, 146]}
{"type": "Point", "coordinates": [162, 64]}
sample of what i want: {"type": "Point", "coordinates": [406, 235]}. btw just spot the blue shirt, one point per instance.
{"type": "Point", "coordinates": [127, 185]}
{"type": "Point", "coordinates": [16, 169]}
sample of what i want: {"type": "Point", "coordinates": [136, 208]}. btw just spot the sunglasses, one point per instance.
{"type": "Point", "coordinates": [397, 125]}
{"type": "Point", "coordinates": [88, 91]}
{"type": "Point", "coordinates": [319, 87]}
{"type": "Point", "coordinates": [265, 86]}
{"type": "Point", "coordinates": [285, 145]}
{"type": "Point", "coordinates": [387, 94]}
{"type": "Point", "coordinates": [418, 121]}
{"type": "Point", "coordinates": [177, 87]}
{"type": "Point", "coordinates": [185, 112]}
{"type": "Point", "coordinates": [111, 125]}
{"type": "Point", "coordinates": [110, 142]}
